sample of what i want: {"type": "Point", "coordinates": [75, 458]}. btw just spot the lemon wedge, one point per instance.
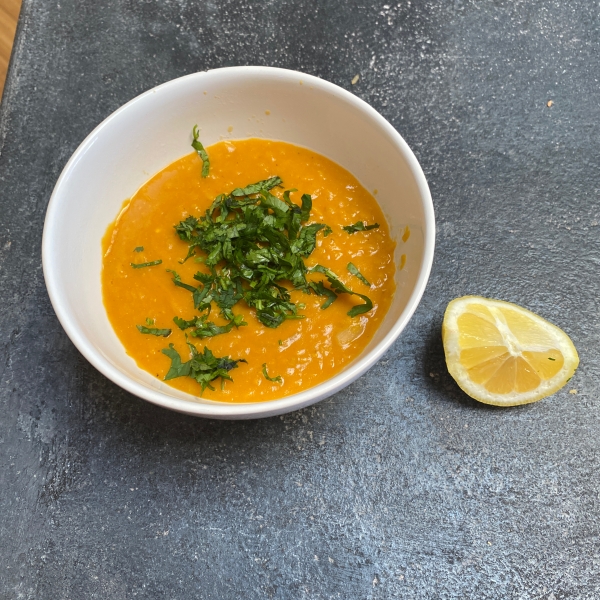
{"type": "Point", "coordinates": [502, 354]}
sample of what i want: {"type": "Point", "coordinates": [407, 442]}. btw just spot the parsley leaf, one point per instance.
{"type": "Point", "coordinates": [256, 188]}
{"type": "Point", "coordinates": [361, 309]}
{"type": "Point", "coordinates": [320, 290]}
{"type": "Point", "coordinates": [177, 281]}
{"type": "Point", "coordinates": [154, 331]}
{"type": "Point", "coordinates": [359, 226]}
{"type": "Point", "coordinates": [199, 148]}
{"type": "Point", "coordinates": [146, 264]}
{"type": "Point", "coordinates": [204, 366]}
{"type": "Point", "coordinates": [340, 288]}
{"type": "Point", "coordinates": [139, 249]}
{"type": "Point", "coordinates": [352, 268]}
{"type": "Point", "coordinates": [183, 324]}
{"type": "Point", "coordinates": [273, 305]}
{"type": "Point", "coordinates": [306, 207]}
{"type": "Point", "coordinates": [178, 369]}
{"type": "Point", "coordinates": [276, 379]}
{"type": "Point", "coordinates": [204, 328]}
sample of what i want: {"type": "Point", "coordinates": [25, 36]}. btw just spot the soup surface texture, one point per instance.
{"type": "Point", "coordinates": [302, 352]}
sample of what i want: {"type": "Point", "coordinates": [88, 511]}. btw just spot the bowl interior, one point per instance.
{"type": "Point", "coordinates": [153, 130]}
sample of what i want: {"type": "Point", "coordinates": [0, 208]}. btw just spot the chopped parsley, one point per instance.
{"type": "Point", "coordinates": [318, 288]}
{"type": "Point", "coordinates": [276, 379]}
{"type": "Point", "coordinates": [360, 226]}
{"type": "Point", "coordinates": [154, 331]}
{"type": "Point", "coordinates": [354, 270]}
{"type": "Point", "coordinates": [204, 367]}
{"type": "Point", "coordinates": [253, 243]}
{"type": "Point", "coordinates": [139, 249]}
{"type": "Point", "coordinates": [199, 148]}
{"type": "Point", "coordinates": [340, 288]}
{"type": "Point", "coordinates": [146, 264]}
{"type": "Point", "coordinates": [204, 328]}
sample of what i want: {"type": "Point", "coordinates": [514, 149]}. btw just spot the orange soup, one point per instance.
{"type": "Point", "coordinates": [147, 283]}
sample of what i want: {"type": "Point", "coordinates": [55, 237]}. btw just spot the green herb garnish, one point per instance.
{"type": "Point", "coordinates": [319, 289]}
{"type": "Point", "coordinates": [139, 249]}
{"type": "Point", "coordinates": [204, 328]}
{"type": "Point", "coordinates": [358, 274]}
{"type": "Point", "coordinates": [253, 242]}
{"type": "Point", "coordinates": [276, 379]}
{"type": "Point", "coordinates": [154, 331]}
{"type": "Point", "coordinates": [204, 367]}
{"type": "Point", "coordinates": [340, 288]}
{"type": "Point", "coordinates": [359, 226]}
{"type": "Point", "coordinates": [553, 359]}
{"type": "Point", "coordinates": [146, 264]}
{"type": "Point", "coordinates": [197, 293]}
{"type": "Point", "coordinates": [199, 148]}
{"type": "Point", "coordinates": [149, 321]}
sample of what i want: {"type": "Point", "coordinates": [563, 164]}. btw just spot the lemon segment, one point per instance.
{"type": "Point", "coordinates": [502, 354]}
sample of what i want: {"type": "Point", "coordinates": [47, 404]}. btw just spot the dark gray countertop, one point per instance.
{"type": "Point", "coordinates": [400, 486]}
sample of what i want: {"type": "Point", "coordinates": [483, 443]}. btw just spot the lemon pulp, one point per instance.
{"type": "Point", "coordinates": [503, 354]}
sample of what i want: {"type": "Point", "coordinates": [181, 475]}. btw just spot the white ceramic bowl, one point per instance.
{"type": "Point", "coordinates": [152, 130]}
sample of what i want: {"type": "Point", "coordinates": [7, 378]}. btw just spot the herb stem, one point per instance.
{"type": "Point", "coordinates": [146, 264]}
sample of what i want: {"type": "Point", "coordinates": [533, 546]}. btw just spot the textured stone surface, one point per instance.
{"type": "Point", "coordinates": [399, 486]}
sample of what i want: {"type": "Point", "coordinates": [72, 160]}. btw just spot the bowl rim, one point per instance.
{"type": "Point", "coordinates": [241, 410]}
